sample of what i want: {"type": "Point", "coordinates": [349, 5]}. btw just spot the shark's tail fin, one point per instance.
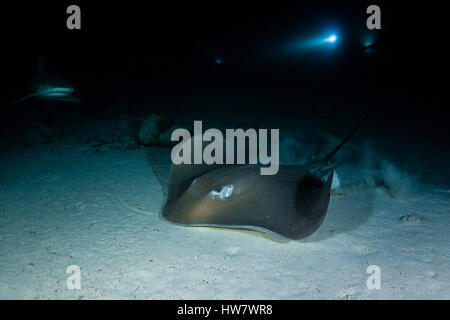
{"type": "Point", "coordinates": [23, 99]}
{"type": "Point", "coordinates": [322, 162]}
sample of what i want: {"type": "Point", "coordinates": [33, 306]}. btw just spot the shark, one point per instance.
{"type": "Point", "coordinates": [47, 86]}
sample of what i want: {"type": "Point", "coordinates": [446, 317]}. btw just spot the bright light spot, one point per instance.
{"type": "Point", "coordinates": [331, 39]}
{"type": "Point", "coordinates": [318, 41]}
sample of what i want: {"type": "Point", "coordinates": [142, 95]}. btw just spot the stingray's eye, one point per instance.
{"type": "Point", "coordinates": [223, 192]}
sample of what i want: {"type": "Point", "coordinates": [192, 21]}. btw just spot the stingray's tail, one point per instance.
{"type": "Point", "coordinates": [147, 213]}
{"type": "Point", "coordinates": [323, 162]}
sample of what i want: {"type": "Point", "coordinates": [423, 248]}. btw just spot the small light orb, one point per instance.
{"type": "Point", "coordinates": [331, 39]}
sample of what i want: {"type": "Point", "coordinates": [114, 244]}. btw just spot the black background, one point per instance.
{"type": "Point", "coordinates": [150, 50]}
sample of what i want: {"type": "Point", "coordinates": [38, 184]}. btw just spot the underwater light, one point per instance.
{"type": "Point", "coordinates": [331, 39]}
{"type": "Point", "coordinates": [319, 41]}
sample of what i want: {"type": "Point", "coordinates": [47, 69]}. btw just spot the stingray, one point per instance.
{"type": "Point", "coordinates": [291, 204]}
{"type": "Point", "coordinates": [47, 86]}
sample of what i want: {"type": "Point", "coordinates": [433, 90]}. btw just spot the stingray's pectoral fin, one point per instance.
{"type": "Point", "coordinates": [313, 197]}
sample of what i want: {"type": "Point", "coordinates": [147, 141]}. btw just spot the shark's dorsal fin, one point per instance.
{"type": "Point", "coordinates": [41, 65]}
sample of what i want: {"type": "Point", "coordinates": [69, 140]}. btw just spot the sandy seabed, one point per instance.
{"type": "Point", "coordinates": [59, 206]}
